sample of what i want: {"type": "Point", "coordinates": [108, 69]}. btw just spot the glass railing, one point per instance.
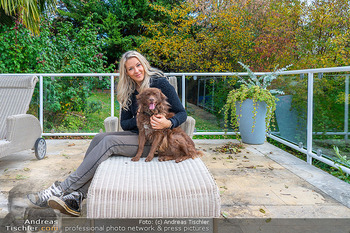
{"type": "Point", "coordinates": [312, 116]}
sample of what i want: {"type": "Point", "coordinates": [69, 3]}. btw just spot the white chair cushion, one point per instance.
{"type": "Point", "coordinates": [125, 189]}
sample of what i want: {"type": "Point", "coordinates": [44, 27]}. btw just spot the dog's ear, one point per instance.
{"type": "Point", "coordinates": [140, 96]}
{"type": "Point", "coordinates": [162, 96]}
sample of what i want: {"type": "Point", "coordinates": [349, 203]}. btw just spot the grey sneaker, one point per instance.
{"type": "Point", "coordinates": [69, 204]}
{"type": "Point", "coordinates": [41, 198]}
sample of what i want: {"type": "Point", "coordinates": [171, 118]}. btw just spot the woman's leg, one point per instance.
{"type": "Point", "coordinates": [105, 145]}
{"type": "Point", "coordinates": [77, 184]}
{"type": "Point", "coordinates": [101, 147]}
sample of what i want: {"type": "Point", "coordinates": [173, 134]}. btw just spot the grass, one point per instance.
{"type": "Point", "coordinates": [95, 119]}
{"type": "Point", "coordinates": [88, 121]}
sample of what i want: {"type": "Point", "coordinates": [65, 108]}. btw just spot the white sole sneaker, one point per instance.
{"type": "Point", "coordinates": [57, 204]}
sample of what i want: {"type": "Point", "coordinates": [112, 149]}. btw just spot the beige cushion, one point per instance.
{"type": "Point", "coordinates": [125, 189]}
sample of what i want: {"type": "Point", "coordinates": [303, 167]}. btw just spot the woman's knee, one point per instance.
{"type": "Point", "coordinates": [98, 138]}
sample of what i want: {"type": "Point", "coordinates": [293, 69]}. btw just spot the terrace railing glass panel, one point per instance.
{"type": "Point", "coordinates": [312, 116]}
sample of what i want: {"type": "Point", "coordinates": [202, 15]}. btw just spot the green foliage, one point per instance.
{"type": "Point", "coordinates": [325, 167]}
{"type": "Point", "coordinates": [210, 40]}
{"type": "Point", "coordinates": [71, 50]}
{"type": "Point", "coordinates": [342, 159]}
{"type": "Point", "coordinates": [255, 93]}
{"type": "Point", "coordinates": [323, 38]}
{"type": "Point", "coordinates": [337, 171]}
{"type": "Point", "coordinates": [262, 81]}
{"type": "Point", "coordinates": [19, 50]}
{"type": "Point", "coordinates": [328, 98]}
{"type": "Point", "coordinates": [120, 22]}
{"type": "Point", "coordinates": [59, 49]}
{"type": "Point", "coordinates": [276, 25]}
{"type": "Point", "coordinates": [27, 11]}
{"type": "Point", "coordinates": [222, 89]}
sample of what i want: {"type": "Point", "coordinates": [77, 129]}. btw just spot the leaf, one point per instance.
{"type": "Point", "coordinates": [225, 215]}
{"type": "Point", "coordinates": [21, 177]}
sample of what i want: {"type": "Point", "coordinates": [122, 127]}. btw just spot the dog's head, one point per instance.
{"type": "Point", "coordinates": [152, 100]}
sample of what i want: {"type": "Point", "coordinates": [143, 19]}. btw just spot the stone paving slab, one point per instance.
{"type": "Point", "coordinates": [259, 182]}
{"type": "Point", "coordinates": [265, 181]}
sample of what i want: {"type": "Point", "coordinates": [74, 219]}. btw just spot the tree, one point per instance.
{"type": "Point", "coordinates": [324, 39]}
{"type": "Point", "coordinates": [29, 12]}
{"type": "Point", "coordinates": [120, 22]}
{"type": "Point", "coordinates": [276, 25]}
{"type": "Point", "coordinates": [198, 40]}
{"type": "Point", "coordinates": [64, 49]}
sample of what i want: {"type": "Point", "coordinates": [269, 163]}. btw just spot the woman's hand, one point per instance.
{"type": "Point", "coordinates": [160, 122]}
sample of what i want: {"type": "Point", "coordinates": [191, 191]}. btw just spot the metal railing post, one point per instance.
{"type": "Point", "coordinates": [112, 95]}
{"type": "Point", "coordinates": [183, 94]}
{"type": "Point", "coordinates": [310, 88]}
{"type": "Point", "coordinates": [212, 95]}
{"type": "Point", "coordinates": [346, 113]}
{"type": "Point", "coordinates": [198, 89]}
{"type": "Point", "coordinates": [41, 102]}
{"type": "Point", "coordinates": [204, 92]}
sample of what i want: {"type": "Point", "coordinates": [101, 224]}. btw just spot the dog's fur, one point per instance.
{"type": "Point", "coordinates": [170, 143]}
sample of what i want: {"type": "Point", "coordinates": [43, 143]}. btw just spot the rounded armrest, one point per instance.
{"type": "Point", "coordinates": [23, 129]}
{"type": "Point", "coordinates": [188, 126]}
{"type": "Point", "coordinates": [111, 124]}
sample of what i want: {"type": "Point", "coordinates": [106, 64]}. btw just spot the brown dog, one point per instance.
{"type": "Point", "coordinates": [170, 143]}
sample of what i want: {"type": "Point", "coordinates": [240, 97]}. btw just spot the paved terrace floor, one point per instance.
{"type": "Point", "coordinates": [260, 182]}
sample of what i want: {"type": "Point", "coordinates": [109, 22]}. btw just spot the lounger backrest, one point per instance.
{"type": "Point", "coordinates": [15, 95]}
{"type": "Point", "coordinates": [173, 82]}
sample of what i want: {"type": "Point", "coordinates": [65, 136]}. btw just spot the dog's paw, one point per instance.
{"type": "Point", "coordinates": [135, 159]}
{"type": "Point", "coordinates": [148, 159]}
{"type": "Point", "coordinates": [178, 160]}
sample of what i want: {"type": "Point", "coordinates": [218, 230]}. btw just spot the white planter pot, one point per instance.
{"type": "Point", "coordinates": [246, 119]}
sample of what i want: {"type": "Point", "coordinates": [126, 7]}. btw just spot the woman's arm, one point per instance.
{"type": "Point", "coordinates": [128, 117]}
{"type": "Point", "coordinates": [127, 121]}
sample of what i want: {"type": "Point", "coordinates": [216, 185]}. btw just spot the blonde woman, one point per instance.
{"type": "Point", "coordinates": [136, 74]}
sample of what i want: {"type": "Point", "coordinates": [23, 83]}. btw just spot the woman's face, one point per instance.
{"type": "Point", "coordinates": [134, 70]}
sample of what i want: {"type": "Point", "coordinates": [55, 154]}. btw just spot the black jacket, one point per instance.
{"type": "Point", "coordinates": [128, 118]}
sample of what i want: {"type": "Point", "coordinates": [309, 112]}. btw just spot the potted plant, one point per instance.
{"type": "Point", "coordinates": [251, 106]}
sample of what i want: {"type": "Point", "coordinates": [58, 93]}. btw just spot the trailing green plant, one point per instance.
{"type": "Point", "coordinates": [255, 88]}
{"type": "Point", "coordinates": [341, 159]}
{"type": "Point", "coordinates": [257, 94]}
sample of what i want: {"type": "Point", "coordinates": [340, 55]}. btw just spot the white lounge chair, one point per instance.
{"type": "Point", "coordinates": [18, 130]}
{"type": "Point", "coordinates": [125, 189]}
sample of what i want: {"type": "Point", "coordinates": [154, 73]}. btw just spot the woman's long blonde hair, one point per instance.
{"type": "Point", "coordinates": [126, 86]}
